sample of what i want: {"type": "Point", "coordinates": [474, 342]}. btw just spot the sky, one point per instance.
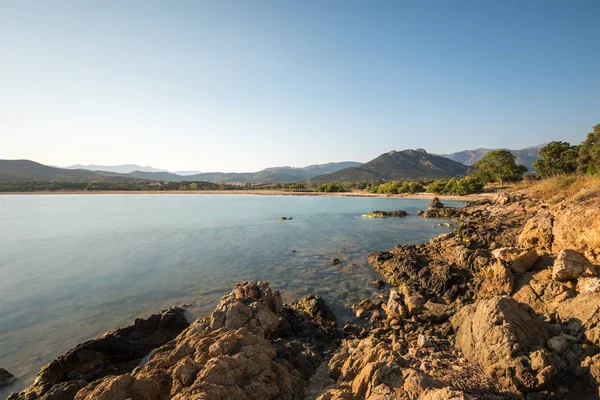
{"type": "Point", "coordinates": [229, 85]}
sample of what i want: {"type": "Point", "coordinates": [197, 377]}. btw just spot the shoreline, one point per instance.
{"type": "Point", "coordinates": [424, 196]}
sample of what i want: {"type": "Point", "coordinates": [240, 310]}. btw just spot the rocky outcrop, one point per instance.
{"type": "Point", "coordinates": [507, 340]}
{"type": "Point", "coordinates": [6, 378]}
{"type": "Point", "coordinates": [435, 203]}
{"type": "Point", "coordinates": [114, 352]}
{"type": "Point", "coordinates": [570, 264]}
{"type": "Point", "coordinates": [251, 347]}
{"type": "Point", "coordinates": [385, 214]}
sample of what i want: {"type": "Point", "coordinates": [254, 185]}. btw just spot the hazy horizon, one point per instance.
{"type": "Point", "coordinates": [242, 86]}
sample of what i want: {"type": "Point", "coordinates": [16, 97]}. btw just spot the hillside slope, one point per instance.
{"type": "Point", "coordinates": [398, 165]}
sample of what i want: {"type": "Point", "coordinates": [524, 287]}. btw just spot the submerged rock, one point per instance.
{"type": "Point", "coordinates": [285, 218]}
{"type": "Point", "coordinates": [6, 378]}
{"type": "Point", "coordinates": [335, 261]}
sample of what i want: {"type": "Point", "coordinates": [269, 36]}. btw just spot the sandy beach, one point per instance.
{"type": "Point", "coordinates": [357, 193]}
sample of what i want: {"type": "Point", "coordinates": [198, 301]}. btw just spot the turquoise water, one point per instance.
{"type": "Point", "coordinates": [74, 266]}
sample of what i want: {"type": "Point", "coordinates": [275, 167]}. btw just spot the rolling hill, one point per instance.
{"type": "Point", "coordinates": [398, 165]}
{"type": "Point", "coordinates": [525, 156]}
{"type": "Point", "coordinates": [26, 170]}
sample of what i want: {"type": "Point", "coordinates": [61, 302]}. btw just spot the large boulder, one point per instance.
{"type": "Point", "coordinates": [507, 341]}
{"type": "Point", "coordinates": [570, 264]}
{"type": "Point", "coordinates": [518, 260]}
{"type": "Point", "coordinates": [577, 224]}
{"type": "Point", "coordinates": [537, 232]}
{"type": "Point", "coordinates": [114, 352]}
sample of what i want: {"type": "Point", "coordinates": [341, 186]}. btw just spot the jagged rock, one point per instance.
{"type": "Point", "coordinates": [114, 352]}
{"type": "Point", "coordinates": [249, 304]}
{"type": "Point", "coordinates": [537, 232]}
{"type": "Point", "coordinates": [425, 271]}
{"type": "Point", "coordinates": [507, 341]}
{"type": "Point", "coordinates": [498, 280]}
{"type": "Point", "coordinates": [592, 363]}
{"type": "Point", "coordinates": [379, 283]}
{"type": "Point", "coordinates": [435, 312]}
{"type": "Point", "coordinates": [580, 317]}
{"type": "Point", "coordinates": [368, 369]}
{"type": "Point", "coordinates": [6, 378]}
{"type": "Point", "coordinates": [214, 364]}
{"type": "Point", "coordinates": [541, 292]}
{"type": "Point", "coordinates": [503, 199]}
{"type": "Point", "coordinates": [364, 306]}
{"type": "Point", "coordinates": [395, 308]}
{"type": "Point", "coordinates": [570, 264]}
{"type": "Point", "coordinates": [588, 285]}
{"type": "Point", "coordinates": [316, 307]}
{"type": "Point", "coordinates": [435, 203]}
{"type": "Point", "coordinates": [444, 394]}
{"type": "Point", "coordinates": [518, 260]}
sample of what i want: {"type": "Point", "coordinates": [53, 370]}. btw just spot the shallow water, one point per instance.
{"type": "Point", "coordinates": [74, 266]}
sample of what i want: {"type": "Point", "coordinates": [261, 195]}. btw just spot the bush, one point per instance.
{"type": "Point", "coordinates": [463, 186]}
{"type": "Point", "coordinates": [329, 188]}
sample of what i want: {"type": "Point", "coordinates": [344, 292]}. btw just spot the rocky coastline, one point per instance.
{"type": "Point", "coordinates": [504, 307]}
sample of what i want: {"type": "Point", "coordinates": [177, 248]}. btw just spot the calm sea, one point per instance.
{"type": "Point", "coordinates": [74, 266]}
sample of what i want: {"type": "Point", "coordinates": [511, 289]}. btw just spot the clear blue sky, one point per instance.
{"type": "Point", "coordinates": [243, 85]}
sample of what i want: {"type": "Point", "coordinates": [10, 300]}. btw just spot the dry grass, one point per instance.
{"type": "Point", "coordinates": [558, 188]}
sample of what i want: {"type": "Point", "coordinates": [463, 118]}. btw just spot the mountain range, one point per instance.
{"type": "Point", "coordinates": [26, 170]}
{"type": "Point", "coordinates": [398, 165]}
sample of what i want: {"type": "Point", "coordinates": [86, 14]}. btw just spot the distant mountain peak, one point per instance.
{"type": "Point", "coordinates": [398, 165]}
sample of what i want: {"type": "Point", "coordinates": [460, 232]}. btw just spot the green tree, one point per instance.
{"type": "Point", "coordinates": [193, 186]}
{"type": "Point", "coordinates": [589, 153]}
{"type": "Point", "coordinates": [499, 166]}
{"type": "Point", "coordinates": [557, 158]}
